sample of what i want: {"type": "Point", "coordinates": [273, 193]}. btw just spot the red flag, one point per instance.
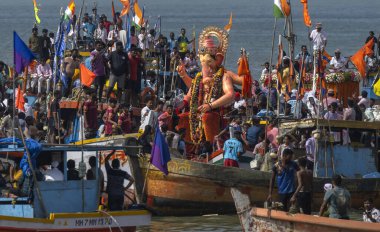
{"type": "Point", "coordinates": [285, 7]}
{"type": "Point", "coordinates": [20, 100]}
{"type": "Point", "coordinates": [358, 58]}
{"type": "Point", "coordinates": [86, 76]}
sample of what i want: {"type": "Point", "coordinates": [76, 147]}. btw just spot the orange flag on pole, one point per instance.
{"type": "Point", "coordinates": [358, 58]}
{"type": "Point", "coordinates": [86, 76]}
{"type": "Point", "coordinates": [229, 25]}
{"type": "Point", "coordinates": [285, 7]}
{"type": "Point", "coordinates": [126, 7]}
{"type": "Point", "coordinates": [243, 70]}
{"type": "Point", "coordinates": [20, 100]}
{"type": "Point", "coordinates": [306, 16]}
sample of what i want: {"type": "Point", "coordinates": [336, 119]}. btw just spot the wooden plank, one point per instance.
{"type": "Point", "coordinates": [243, 208]}
{"type": "Point", "coordinates": [310, 123]}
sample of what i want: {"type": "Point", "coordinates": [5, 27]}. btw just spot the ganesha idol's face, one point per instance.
{"type": "Point", "coordinates": [210, 63]}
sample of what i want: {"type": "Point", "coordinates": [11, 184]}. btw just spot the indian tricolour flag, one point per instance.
{"type": "Point", "coordinates": [138, 17]}
{"type": "Point", "coordinates": [281, 8]}
{"type": "Point", "coordinates": [70, 10]}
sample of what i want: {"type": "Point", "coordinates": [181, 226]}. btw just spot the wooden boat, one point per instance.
{"type": "Point", "coordinates": [196, 188]}
{"type": "Point", "coordinates": [263, 220]}
{"type": "Point", "coordinates": [66, 205]}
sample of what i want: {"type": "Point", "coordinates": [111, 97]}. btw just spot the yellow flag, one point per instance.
{"type": "Point", "coordinates": [376, 87]}
{"type": "Point", "coordinates": [229, 25]}
{"type": "Point", "coordinates": [36, 12]}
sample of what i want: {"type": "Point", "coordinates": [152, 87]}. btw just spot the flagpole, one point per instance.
{"type": "Point", "coordinates": [270, 70]}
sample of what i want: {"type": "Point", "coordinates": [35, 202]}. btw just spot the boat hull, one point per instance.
{"type": "Point", "coordinates": [97, 221]}
{"type": "Point", "coordinates": [194, 188]}
{"type": "Point", "coordinates": [264, 220]}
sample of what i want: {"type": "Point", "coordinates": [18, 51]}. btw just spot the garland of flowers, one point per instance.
{"type": "Point", "coordinates": [196, 127]}
{"type": "Point", "coordinates": [340, 77]}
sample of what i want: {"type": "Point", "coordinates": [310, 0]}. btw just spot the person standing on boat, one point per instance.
{"type": "Point", "coordinates": [303, 193]}
{"type": "Point", "coordinates": [319, 38]}
{"type": "Point", "coordinates": [371, 214]}
{"type": "Point", "coordinates": [183, 41]}
{"type": "Point", "coordinates": [330, 99]}
{"type": "Point", "coordinates": [101, 33]}
{"type": "Point", "coordinates": [285, 171]}
{"type": "Point", "coordinates": [90, 111]}
{"type": "Point", "coordinates": [115, 183]}
{"type": "Point", "coordinates": [338, 200]}
{"type": "Point", "coordinates": [310, 145]}
{"type": "Point", "coordinates": [98, 64]}
{"type": "Point", "coordinates": [46, 49]}
{"type": "Point", "coordinates": [372, 36]}
{"type": "Point", "coordinates": [172, 42]}
{"type": "Point", "coordinates": [118, 63]}
{"type": "Point", "coordinates": [35, 43]}
{"type": "Point", "coordinates": [232, 149]}
{"type": "Point", "coordinates": [68, 69]}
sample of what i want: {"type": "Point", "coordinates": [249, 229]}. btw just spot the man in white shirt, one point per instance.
{"type": "Point", "coordinates": [318, 37]}
{"type": "Point", "coordinates": [338, 63]}
{"type": "Point", "coordinates": [44, 74]}
{"type": "Point", "coordinates": [364, 100]}
{"type": "Point", "coordinates": [142, 39]}
{"type": "Point", "coordinates": [101, 33]}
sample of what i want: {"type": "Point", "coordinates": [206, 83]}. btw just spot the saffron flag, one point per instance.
{"type": "Point", "coordinates": [243, 70]}
{"type": "Point", "coordinates": [229, 25]}
{"type": "Point", "coordinates": [19, 104]}
{"type": "Point", "coordinates": [281, 8]}
{"type": "Point", "coordinates": [86, 76]}
{"type": "Point", "coordinates": [22, 55]}
{"type": "Point", "coordinates": [358, 58]}
{"type": "Point", "coordinates": [36, 12]}
{"type": "Point", "coordinates": [126, 6]}
{"type": "Point", "coordinates": [160, 155]}
{"type": "Point", "coordinates": [70, 10]}
{"type": "Point", "coordinates": [306, 16]}
{"type": "Point", "coordinates": [326, 58]}
{"type": "Point", "coordinates": [138, 15]}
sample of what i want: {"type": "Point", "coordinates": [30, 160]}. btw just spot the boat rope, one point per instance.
{"type": "Point", "coordinates": [113, 219]}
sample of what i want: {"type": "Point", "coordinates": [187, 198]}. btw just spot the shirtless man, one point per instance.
{"type": "Point", "coordinates": [303, 193]}
{"type": "Point", "coordinates": [69, 65]}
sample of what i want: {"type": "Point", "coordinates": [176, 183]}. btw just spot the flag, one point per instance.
{"type": "Point", "coordinates": [281, 8]}
{"type": "Point", "coordinates": [279, 63]}
{"type": "Point", "coordinates": [160, 155]}
{"type": "Point", "coordinates": [358, 58]}
{"type": "Point", "coordinates": [243, 70]}
{"type": "Point", "coordinates": [128, 42]}
{"type": "Point", "coordinates": [22, 55]}
{"type": "Point", "coordinates": [306, 16]}
{"type": "Point", "coordinates": [36, 12]}
{"type": "Point", "coordinates": [86, 76]}
{"type": "Point", "coordinates": [20, 99]}
{"type": "Point", "coordinates": [229, 25]}
{"type": "Point", "coordinates": [138, 15]}
{"type": "Point", "coordinates": [113, 13]}
{"type": "Point", "coordinates": [376, 87]}
{"type": "Point", "coordinates": [326, 58]}
{"type": "Point", "coordinates": [126, 6]}
{"type": "Point", "coordinates": [70, 10]}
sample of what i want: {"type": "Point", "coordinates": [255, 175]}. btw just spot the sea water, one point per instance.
{"type": "Point", "coordinates": [346, 22]}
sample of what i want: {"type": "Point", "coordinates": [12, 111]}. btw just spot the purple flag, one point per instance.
{"type": "Point", "coordinates": [160, 155]}
{"type": "Point", "coordinates": [22, 54]}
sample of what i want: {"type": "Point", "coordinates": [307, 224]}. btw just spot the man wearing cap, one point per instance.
{"type": "Point", "coordinates": [232, 148]}
{"type": "Point", "coordinates": [318, 37]}
{"type": "Point", "coordinates": [338, 63]}
{"type": "Point", "coordinates": [330, 99]}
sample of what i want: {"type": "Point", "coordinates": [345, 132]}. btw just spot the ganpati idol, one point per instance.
{"type": "Point", "coordinates": [211, 89]}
